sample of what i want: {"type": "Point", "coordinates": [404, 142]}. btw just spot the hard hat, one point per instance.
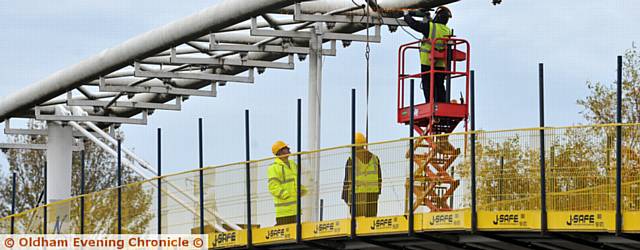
{"type": "Point", "coordinates": [360, 138]}
{"type": "Point", "coordinates": [444, 11]}
{"type": "Point", "coordinates": [277, 146]}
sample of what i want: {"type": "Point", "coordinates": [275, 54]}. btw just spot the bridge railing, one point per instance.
{"type": "Point", "coordinates": [580, 165]}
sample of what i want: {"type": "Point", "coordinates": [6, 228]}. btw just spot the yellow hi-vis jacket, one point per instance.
{"type": "Point", "coordinates": [368, 177]}
{"type": "Point", "coordinates": [283, 183]}
{"type": "Point", "coordinates": [436, 30]}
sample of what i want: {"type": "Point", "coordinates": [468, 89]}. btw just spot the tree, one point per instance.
{"type": "Point", "coordinates": [100, 179]}
{"type": "Point", "coordinates": [600, 108]}
{"type": "Point", "coordinates": [580, 161]}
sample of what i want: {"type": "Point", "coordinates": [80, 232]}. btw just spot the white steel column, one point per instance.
{"type": "Point", "coordinates": [59, 160]}
{"type": "Point", "coordinates": [312, 177]}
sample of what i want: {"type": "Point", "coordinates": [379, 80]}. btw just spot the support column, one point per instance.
{"type": "Point", "coordinates": [311, 176]}
{"type": "Point", "coordinates": [59, 160]}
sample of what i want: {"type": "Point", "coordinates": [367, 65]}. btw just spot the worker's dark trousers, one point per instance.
{"type": "Point", "coordinates": [285, 220]}
{"type": "Point", "coordinates": [366, 205]}
{"type": "Point", "coordinates": [438, 83]}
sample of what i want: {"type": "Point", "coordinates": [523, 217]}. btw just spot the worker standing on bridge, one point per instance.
{"type": "Point", "coordinates": [368, 180]}
{"type": "Point", "coordinates": [283, 184]}
{"type": "Point", "coordinates": [432, 30]}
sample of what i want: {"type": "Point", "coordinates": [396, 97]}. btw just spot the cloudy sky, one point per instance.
{"type": "Point", "coordinates": [577, 40]}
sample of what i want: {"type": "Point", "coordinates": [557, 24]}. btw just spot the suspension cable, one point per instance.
{"type": "Point", "coordinates": [367, 54]}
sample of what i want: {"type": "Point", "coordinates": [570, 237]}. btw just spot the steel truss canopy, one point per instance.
{"type": "Point", "coordinates": [227, 43]}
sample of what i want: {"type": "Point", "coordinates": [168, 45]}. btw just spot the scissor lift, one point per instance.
{"type": "Point", "coordinates": [433, 154]}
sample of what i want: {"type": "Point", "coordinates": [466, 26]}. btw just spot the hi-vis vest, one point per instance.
{"type": "Point", "coordinates": [436, 30]}
{"type": "Point", "coordinates": [367, 175]}
{"type": "Point", "coordinates": [283, 187]}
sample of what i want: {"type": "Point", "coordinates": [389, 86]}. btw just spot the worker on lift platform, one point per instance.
{"type": "Point", "coordinates": [432, 29]}
{"type": "Point", "coordinates": [283, 184]}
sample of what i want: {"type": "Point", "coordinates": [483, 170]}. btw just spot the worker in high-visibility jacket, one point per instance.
{"type": "Point", "coordinates": [283, 184]}
{"type": "Point", "coordinates": [432, 29]}
{"type": "Point", "coordinates": [368, 180]}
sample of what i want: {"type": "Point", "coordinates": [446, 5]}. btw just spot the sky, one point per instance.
{"type": "Point", "coordinates": [577, 40]}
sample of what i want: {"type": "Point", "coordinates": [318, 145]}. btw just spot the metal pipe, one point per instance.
{"type": "Point", "coordinates": [82, 191]}
{"type": "Point", "coordinates": [46, 202]}
{"type": "Point", "coordinates": [411, 157]}
{"type": "Point", "coordinates": [619, 148]}
{"type": "Point", "coordinates": [248, 178]}
{"type": "Point", "coordinates": [104, 146]}
{"type": "Point", "coordinates": [159, 174]}
{"type": "Point", "coordinates": [119, 186]}
{"type": "Point", "coordinates": [171, 195]}
{"type": "Point", "coordinates": [321, 209]}
{"type": "Point", "coordinates": [314, 97]}
{"type": "Point", "coordinates": [217, 17]}
{"type": "Point", "coordinates": [13, 201]}
{"type": "Point", "coordinates": [388, 7]}
{"type": "Point", "coordinates": [299, 172]}
{"type": "Point", "coordinates": [474, 202]}
{"type": "Point", "coordinates": [353, 164]}
{"type": "Point", "coordinates": [339, 28]}
{"type": "Point", "coordinates": [543, 178]}
{"type": "Point", "coordinates": [106, 136]}
{"type": "Point", "coordinates": [201, 175]}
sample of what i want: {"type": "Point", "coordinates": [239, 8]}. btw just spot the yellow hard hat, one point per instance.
{"type": "Point", "coordinates": [277, 146]}
{"type": "Point", "coordinates": [360, 138]}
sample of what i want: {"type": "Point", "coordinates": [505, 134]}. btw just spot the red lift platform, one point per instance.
{"type": "Point", "coordinates": [433, 155]}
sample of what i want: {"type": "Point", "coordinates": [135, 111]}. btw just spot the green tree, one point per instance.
{"type": "Point", "coordinates": [580, 161]}
{"type": "Point", "coordinates": [100, 179]}
{"type": "Point", "coordinates": [600, 108]}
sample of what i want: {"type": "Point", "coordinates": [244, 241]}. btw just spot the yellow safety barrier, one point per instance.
{"type": "Point", "coordinates": [580, 164]}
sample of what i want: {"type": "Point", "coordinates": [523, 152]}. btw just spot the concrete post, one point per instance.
{"type": "Point", "coordinates": [59, 160]}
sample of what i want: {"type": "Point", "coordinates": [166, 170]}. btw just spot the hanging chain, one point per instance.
{"type": "Point", "coordinates": [367, 53]}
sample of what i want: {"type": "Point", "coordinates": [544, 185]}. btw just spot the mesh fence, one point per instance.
{"type": "Point", "coordinates": [508, 176]}
{"type": "Point", "coordinates": [181, 203]}
{"type": "Point", "coordinates": [225, 193]}
{"type": "Point", "coordinates": [580, 176]}
{"type": "Point", "coordinates": [631, 168]}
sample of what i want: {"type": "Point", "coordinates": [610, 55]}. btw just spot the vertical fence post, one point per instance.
{"type": "Point", "coordinates": [474, 200]}
{"type": "Point", "coordinates": [500, 190]}
{"type": "Point", "coordinates": [353, 163]}
{"type": "Point", "coordinates": [543, 178]}
{"type": "Point", "coordinates": [13, 201]}
{"type": "Point", "coordinates": [248, 179]}
{"type": "Point", "coordinates": [411, 157]}
{"type": "Point", "coordinates": [82, 191]}
{"type": "Point", "coordinates": [119, 186]}
{"type": "Point", "coordinates": [159, 180]}
{"type": "Point", "coordinates": [619, 149]}
{"type": "Point", "coordinates": [201, 175]}
{"type": "Point", "coordinates": [321, 209]}
{"type": "Point", "coordinates": [46, 201]}
{"type": "Point", "coordinates": [299, 174]}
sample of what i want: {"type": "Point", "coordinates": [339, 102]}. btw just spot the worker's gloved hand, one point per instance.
{"type": "Point", "coordinates": [405, 12]}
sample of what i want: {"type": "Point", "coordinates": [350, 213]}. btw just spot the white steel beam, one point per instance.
{"type": "Point", "coordinates": [164, 89]}
{"type": "Point", "coordinates": [194, 76]}
{"type": "Point", "coordinates": [374, 19]}
{"type": "Point", "coordinates": [174, 59]}
{"type": "Point", "coordinates": [217, 17]}
{"type": "Point", "coordinates": [125, 104]}
{"type": "Point", "coordinates": [102, 119]}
